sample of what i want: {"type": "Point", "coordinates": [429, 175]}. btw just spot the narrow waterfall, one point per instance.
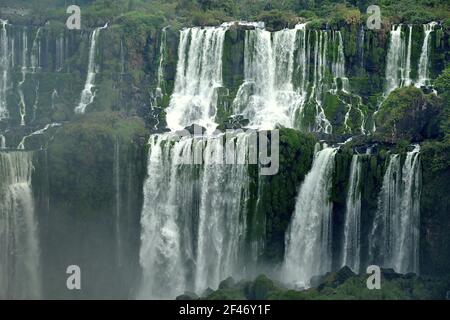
{"type": "Point", "coordinates": [4, 69]}
{"type": "Point", "coordinates": [352, 227]}
{"type": "Point", "coordinates": [36, 52]}
{"type": "Point", "coordinates": [395, 232]}
{"type": "Point", "coordinates": [423, 73]}
{"type": "Point", "coordinates": [268, 97]}
{"type": "Point", "coordinates": [338, 65]}
{"type": "Point", "coordinates": [54, 96]}
{"type": "Point", "coordinates": [118, 201]}
{"type": "Point", "coordinates": [406, 80]}
{"type": "Point", "coordinates": [21, 145]}
{"type": "Point", "coordinates": [193, 217]}
{"type": "Point", "coordinates": [60, 52]}
{"type": "Point", "coordinates": [398, 60]}
{"type": "Point", "coordinates": [199, 75]}
{"type": "Point", "coordinates": [2, 142]}
{"type": "Point", "coordinates": [87, 95]}
{"type": "Point", "coordinates": [19, 245]}
{"type": "Point", "coordinates": [162, 54]}
{"type": "Point", "coordinates": [308, 239]}
{"type": "Point", "coordinates": [22, 104]}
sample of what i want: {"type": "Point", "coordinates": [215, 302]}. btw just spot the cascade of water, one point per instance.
{"type": "Point", "coordinates": [406, 80]}
{"type": "Point", "coordinates": [35, 52]}
{"type": "Point", "coordinates": [2, 142]}
{"type": "Point", "coordinates": [192, 218]}
{"type": "Point", "coordinates": [338, 65]}
{"type": "Point", "coordinates": [308, 239]}
{"type": "Point", "coordinates": [87, 95]}
{"type": "Point", "coordinates": [361, 45]}
{"type": "Point", "coordinates": [60, 52]}
{"type": "Point", "coordinates": [19, 245]}
{"type": "Point", "coordinates": [423, 76]}
{"type": "Point", "coordinates": [162, 53]}
{"type": "Point", "coordinates": [199, 75]}
{"type": "Point", "coordinates": [268, 96]}
{"type": "Point", "coordinates": [21, 145]}
{"type": "Point", "coordinates": [352, 226]}
{"type": "Point", "coordinates": [4, 69]}
{"type": "Point", "coordinates": [118, 201]}
{"type": "Point", "coordinates": [394, 61]}
{"type": "Point", "coordinates": [22, 104]}
{"type": "Point", "coordinates": [54, 96]}
{"type": "Point", "coordinates": [395, 232]}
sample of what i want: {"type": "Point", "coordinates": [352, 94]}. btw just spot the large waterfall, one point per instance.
{"type": "Point", "coordinates": [395, 232]}
{"type": "Point", "coordinates": [199, 75]}
{"type": "Point", "coordinates": [423, 76]}
{"type": "Point", "coordinates": [87, 95]}
{"type": "Point", "coordinates": [193, 219]}
{"type": "Point", "coordinates": [19, 246]}
{"type": "Point", "coordinates": [308, 240]}
{"type": "Point", "coordinates": [352, 227]}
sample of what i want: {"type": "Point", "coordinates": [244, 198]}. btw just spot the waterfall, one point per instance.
{"type": "Point", "coordinates": [338, 66]}
{"type": "Point", "coordinates": [54, 96]}
{"type": "Point", "coordinates": [2, 142]}
{"type": "Point", "coordinates": [423, 73]}
{"type": "Point", "coordinates": [118, 201]}
{"type": "Point", "coordinates": [19, 245]}
{"type": "Point", "coordinates": [4, 69]}
{"type": "Point", "coordinates": [268, 97]}
{"type": "Point", "coordinates": [22, 104]}
{"type": "Point", "coordinates": [198, 76]}
{"type": "Point", "coordinates": [361, 44]}
{"type": "Point", "coordinates": [352, 225]}
{"type": "Point", "coordinates": [308, 239]}
{"type": "Point", "coordinates": [162, 53]}
{"type": "Point", "coordinates": [35, 52]}
{"type": "Point", "coordinates": [21, 145]}
{"type": "Point", "coordinates": [395, 231]}
{"type": "Point", "coordinates": [406, 81]}
{"type": "Point", "coordinates": [193, 217]}
{"type": "Point", "coordinates": [87, 95]}
{"type": "Point", "coordinates": [398, 61]}
{"type": "Point", "coordinates": [60, 52]}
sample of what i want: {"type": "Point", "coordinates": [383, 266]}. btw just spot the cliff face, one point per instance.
{"type": "Point", "coordinates": [90, 168]}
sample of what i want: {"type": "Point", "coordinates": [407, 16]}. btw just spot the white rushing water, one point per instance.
{"type": "Point", "coordinates": [198, 76]}
{"type": "Point", "coordinates": [287, 70]}
{"type": "Point", "coordinates": [88, 95]}
{"type": "Point", "coordinates": [398, 60]}
{"type": "Point", "coordinates": [423, 73]}
{"type": "Point", "coordinates": [268, 97]}
{"type": "Point", "coordinates": [24, 69]}
{"type": "Point", "coordinates": [2, 142]}
{"type": "Point", "coordinates": [21, 145]}
{"type": "Point", "coordinates": [308, 239]}
{"type": "Point", "coordinates": [193, 222]}
{"type": "Point", "coordinates": [352, 225]}
{"type": "Point", "coordinates": [395, 233]}
{"type": "Point", "coordinates": [35, 57]}
{"type": "Point", "coordinates": [5, 65]}
{"type": "Point", "coordinates": [19, 245]}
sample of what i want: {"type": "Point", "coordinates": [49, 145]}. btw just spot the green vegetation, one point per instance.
{"type": "Point", "coordinates": [408, 114]}
{"type": "Point", "coordinates": [340, 285]}
{"type": "Point", "coordinates": [277, 14]}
